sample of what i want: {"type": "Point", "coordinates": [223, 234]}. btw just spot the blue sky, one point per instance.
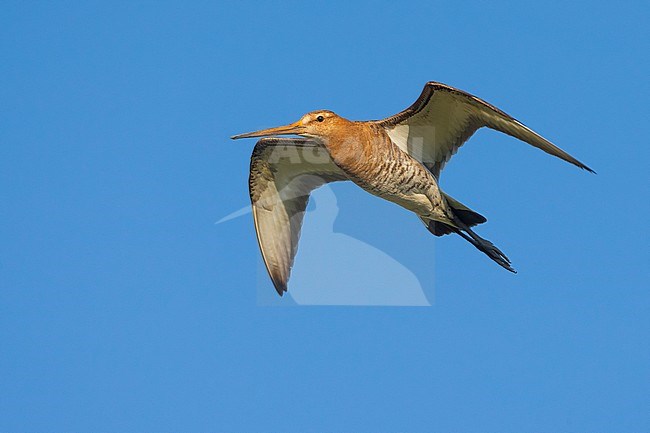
{"type": "Point", "coordinates": [123, 307]}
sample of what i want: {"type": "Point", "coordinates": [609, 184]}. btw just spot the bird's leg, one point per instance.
{"type": "Point", "coordinates": [484, 246]}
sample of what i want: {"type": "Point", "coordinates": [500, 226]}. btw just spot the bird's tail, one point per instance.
{"type": "Point", "coordinates": [464, 218]}
{"type": "Point", "coordinates": [467, 216]}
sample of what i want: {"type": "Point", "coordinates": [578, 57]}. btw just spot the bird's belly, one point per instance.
{"type": "Point", "coordinates": [411, 196]}
{"type": "Point", "coordinates": [388, 173]}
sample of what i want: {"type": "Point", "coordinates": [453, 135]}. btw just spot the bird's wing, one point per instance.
{"type": "Point", "coordinates": [443, 118]}
{"type": "Point", "coordinates": [283, 173]}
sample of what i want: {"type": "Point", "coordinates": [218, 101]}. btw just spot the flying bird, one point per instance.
{"type": "Point", "coordinates": [398, 159]}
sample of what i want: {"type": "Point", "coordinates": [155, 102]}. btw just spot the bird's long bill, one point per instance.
{"type": "Point", "coordinates": [294, 128]}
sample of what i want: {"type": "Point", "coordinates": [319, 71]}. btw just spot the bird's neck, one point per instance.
{"type": "Point", "coordinates": [356, 145]}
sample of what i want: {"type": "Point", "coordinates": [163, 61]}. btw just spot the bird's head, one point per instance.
{"type": "Point", "coordinates": [317, 124]}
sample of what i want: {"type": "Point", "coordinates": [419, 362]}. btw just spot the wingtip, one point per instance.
{"type": "Point", "coordinates": [570, 159]}
{"type": "Point", "coordinates": [585, 168]}
{"type": "Point", "coordinates": [579, 164]}
{"type": "Point", "coordinates": [280, 288]}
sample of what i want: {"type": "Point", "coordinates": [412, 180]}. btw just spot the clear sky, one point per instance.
{"type": "Point", "coordinates": [125, 308]}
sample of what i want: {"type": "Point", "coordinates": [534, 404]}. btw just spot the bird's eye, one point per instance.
{"type": "Point", "coordinates": [320, 118]}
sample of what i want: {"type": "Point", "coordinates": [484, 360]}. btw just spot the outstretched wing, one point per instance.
{"type": "Point", "coordinates": [443, 118]}
{"type": "Point", "coordinates": [283, 173]}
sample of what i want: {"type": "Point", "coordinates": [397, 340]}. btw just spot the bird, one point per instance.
{"type": "Point", "coordinates": [398, 159]}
